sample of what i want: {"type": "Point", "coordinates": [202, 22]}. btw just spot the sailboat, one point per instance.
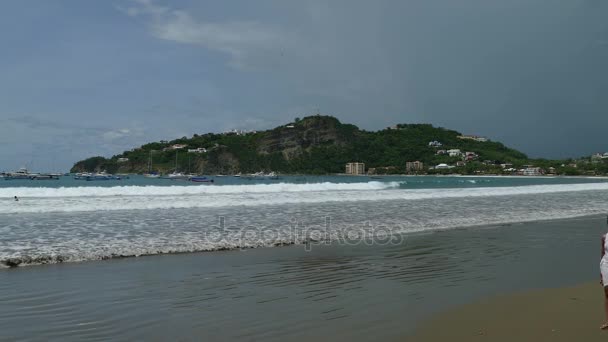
{"type": "Point", "coordinates": [150, 174]}
{"type": "Point", "coordinates": [177, 175]}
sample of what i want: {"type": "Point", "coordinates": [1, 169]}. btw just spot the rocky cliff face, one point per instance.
{"type": "Point", "coordinates": [293, 139]}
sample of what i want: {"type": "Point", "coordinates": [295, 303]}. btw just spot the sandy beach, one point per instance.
{"type": "Point", "coordinates": [564, 314]}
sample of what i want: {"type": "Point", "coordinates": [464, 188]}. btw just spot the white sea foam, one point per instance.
{"type": "Point", "coordinates": [99, 223]}
{"type": "Point", "coordinates": [91, 191]}
{"type": "Point", "coordinates": [154, 197]}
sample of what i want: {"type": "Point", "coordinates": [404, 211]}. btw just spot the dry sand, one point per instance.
{"type": "Point", "coordinates": [567, 314]}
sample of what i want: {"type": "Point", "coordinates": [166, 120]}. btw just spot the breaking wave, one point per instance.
{"type": "Point", "coordinates": [98, 223]}
{"type": "Point", "coordinates": [77, 199]}
{"type": "Point", "coordinates": [151, 190]}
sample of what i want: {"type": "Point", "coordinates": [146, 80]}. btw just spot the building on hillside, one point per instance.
{"type": "Point", "coordinates": [468, 156]}
{"type": "Point", "coordinates": [533, 171]}
{"type": "Point", "coordinates": [441, 152]}
{"type": "Point", "coordinates": [473, 137]}
{"type": "Point", "coordinates": [175, 147]}
{"type": "Point", "coordinates": [238, 132]}
{"type": "Point", "coordinates": [454, 152]}
{"type": "Point", "coordinates": [355, 168]}
{"type": "Point", "coordinates": [443, 167]}
{"type": "Point", "coordinates": [414, 166]}
{"type": "Point", "coordinates": [197, 150]}
{"type": "Point", "coordinates": [122, 160]}
{"type": "Point", "coordinates": [435, 143]}
{"type": "Point", "coordinates": [599, 156]}
{"type": "Point", "coordinates": [460, 163]}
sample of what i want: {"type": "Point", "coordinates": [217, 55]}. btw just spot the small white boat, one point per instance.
{"type": "Point", "coordinates": [22, 173]}
{"type": "Point", "coordinates": [177, 176]}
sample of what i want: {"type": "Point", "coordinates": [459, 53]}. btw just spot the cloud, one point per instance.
{"type": "Point", "coordinates": [247, 43]}
{"type": "Point", "coordinates": [116, 134]}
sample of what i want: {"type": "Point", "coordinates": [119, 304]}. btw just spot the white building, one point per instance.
{"type": "Point", "coordinates": [533, 171]}
{"type": "Point", "coordinates": [355, 168]}
{"type": "Point", "coordinates": [197, 150]}
{"type": "Point", "coordinates": [175, 147]}
{"type": "Point", "coordinates": [123, 160]}
{"type": "Point", "coordinates": [443, 167]}
{"type": "Point", "coordinates": [435, 143]}
{"type": "Point", "coordinates": [473, 137]}
{"type": "Point", "coordinates": [454, 152]}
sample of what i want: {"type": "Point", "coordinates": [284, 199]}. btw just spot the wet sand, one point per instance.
{"type": "Point", "coordinates": [564, 314]}
{"type": "Point", "coordinates": [332, 292]}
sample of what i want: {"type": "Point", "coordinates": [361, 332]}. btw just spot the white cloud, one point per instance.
{"type": "Point", "coordinates": [249, 44]}
{"type": "Point", "coordinates": [116, 134]}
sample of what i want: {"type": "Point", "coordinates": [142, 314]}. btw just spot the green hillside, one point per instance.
{"type": "Point", "coordinates": [313, 145]}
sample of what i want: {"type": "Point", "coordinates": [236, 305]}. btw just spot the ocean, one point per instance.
{"type": "Point", "coordinates": [300, 257]}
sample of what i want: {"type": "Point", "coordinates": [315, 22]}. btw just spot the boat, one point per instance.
{"type": "Point", "coordinates": [151, 174]}
{"type": "Point", "coordinates": [272, 176]}
{"type": "Point", "coordinates": [99, 176]}
{"type": "Point", "coordinates": [22, 173]}
{"type": "Point", "coordinates": [177, 175]}
{"type": "Point", "coordinates": [82, 175]}
{"type": "Point", "coordinates": [102, 176]}
{"type": "Point", "coordinates": [45, 177]}
{"type": "Point", "coordinates": [200, 179]}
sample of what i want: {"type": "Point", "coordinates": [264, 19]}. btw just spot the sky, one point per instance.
{"type": "Point", "coordinates": [84, 78]}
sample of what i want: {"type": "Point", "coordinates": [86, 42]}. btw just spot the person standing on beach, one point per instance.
{"type": "Point", "coordinates": [604, 276]}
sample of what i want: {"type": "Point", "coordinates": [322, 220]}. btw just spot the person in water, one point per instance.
{"type": "Point", "coordinates": [604, 275]}
{"type": "Point", "coordinates": [16, 199]}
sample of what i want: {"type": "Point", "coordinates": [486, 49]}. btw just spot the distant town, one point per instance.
{"type": "Point", "coordinates": [465, 157]}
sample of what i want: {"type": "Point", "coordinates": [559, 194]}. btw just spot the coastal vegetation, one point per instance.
{"type": "Point", "coordinates": [322, 144]}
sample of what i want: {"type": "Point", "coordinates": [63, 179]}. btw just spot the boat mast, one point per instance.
{"type": "Point", "coordinates": [150, 163]}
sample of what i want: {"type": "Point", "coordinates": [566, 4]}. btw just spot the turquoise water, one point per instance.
{"type": "Point", "coordinates": [410, 182]}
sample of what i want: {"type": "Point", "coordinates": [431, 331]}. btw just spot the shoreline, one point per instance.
{"type": "Point", "coordinates": [556, 314]}
{"type": "Point", "coordinates": [348, 292]}
{"type": "Point", "coordinates": [41, 261]}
